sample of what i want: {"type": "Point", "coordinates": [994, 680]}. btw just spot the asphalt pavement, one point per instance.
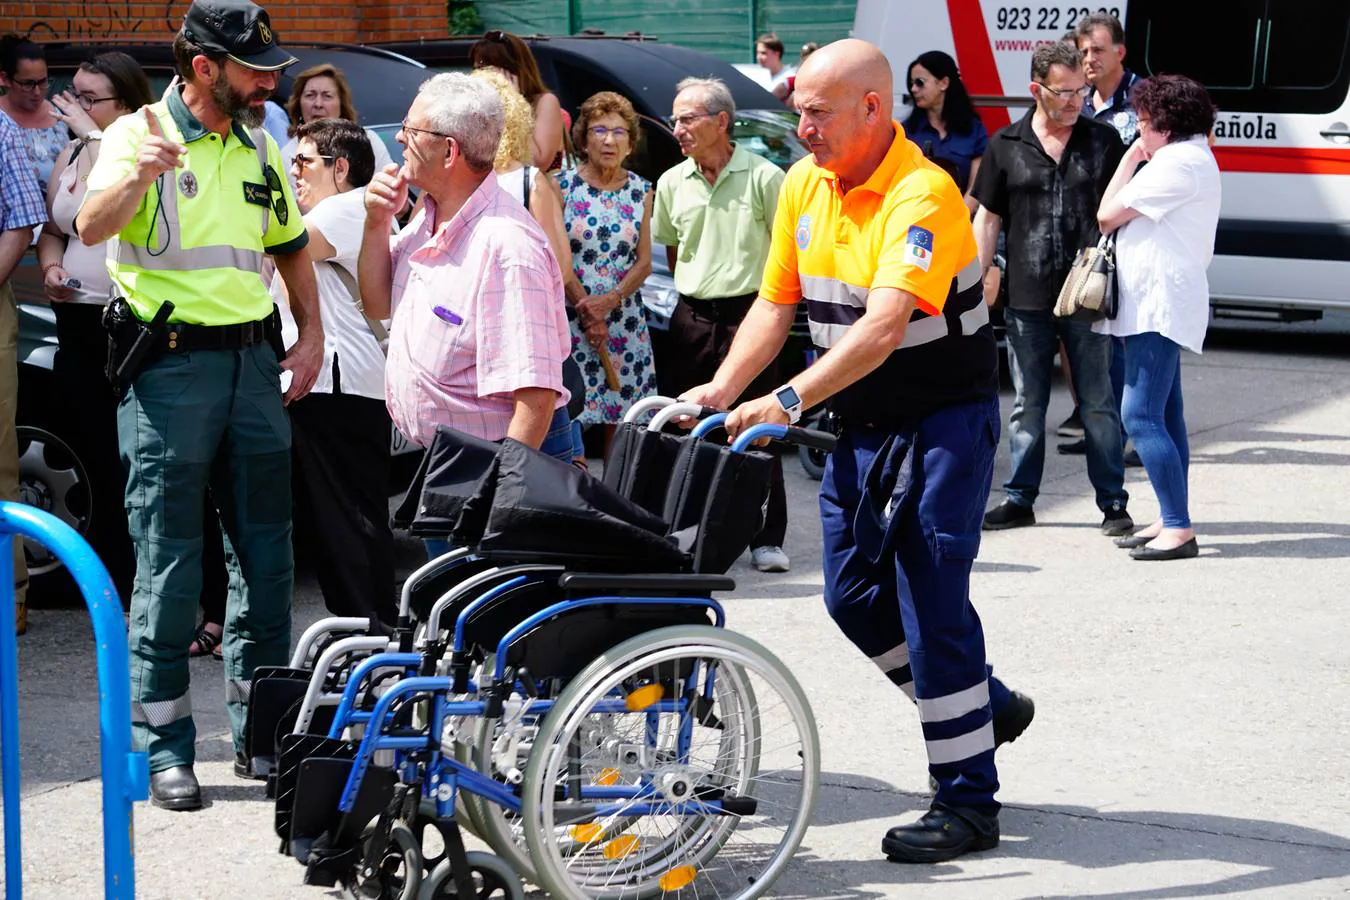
{"type": "Point", "coordinates": [1192, 736]}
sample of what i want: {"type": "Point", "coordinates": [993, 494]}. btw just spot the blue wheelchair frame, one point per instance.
{"type": "Point", "coordinates": [126, 772]}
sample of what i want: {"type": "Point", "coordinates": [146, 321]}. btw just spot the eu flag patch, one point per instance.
{"type": "Point", "coordinates": [919, 247]}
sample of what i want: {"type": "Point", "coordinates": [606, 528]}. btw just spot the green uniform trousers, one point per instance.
{"type": "Point", "coordinates": [189, 419]}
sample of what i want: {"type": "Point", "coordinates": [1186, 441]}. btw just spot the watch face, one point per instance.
{"type": "Point", "coordinates": [787, 397]}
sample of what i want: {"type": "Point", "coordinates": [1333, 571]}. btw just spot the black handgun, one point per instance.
{"type": "Point", "coordinates": [122, 374]}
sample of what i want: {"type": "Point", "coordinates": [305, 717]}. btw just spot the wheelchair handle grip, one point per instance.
{"type": "Point", "coordinates": [646, 405]}
{"type": "Point", "coordinates": [714, 421]}
{"type": "Point", "coordinates": [788, 434]}
{"type": "Point", "coordinates": [680, 410]}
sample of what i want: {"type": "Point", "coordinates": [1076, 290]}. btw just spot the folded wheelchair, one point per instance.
{"type": "Point", "coordinates": [561, 686]}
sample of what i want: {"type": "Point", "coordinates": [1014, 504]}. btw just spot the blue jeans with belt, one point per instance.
{"type": "Point", "coordinates": [900, 514]}
{"type": "Point", "coordinates": [1033, 337]}
{"type": "Point", "coordinates": [1155, 419]}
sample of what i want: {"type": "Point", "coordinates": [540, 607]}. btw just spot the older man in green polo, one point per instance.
{"type": "Point", "coordinates": [714, 212]}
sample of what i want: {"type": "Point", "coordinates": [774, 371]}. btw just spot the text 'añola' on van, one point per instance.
{"type": "Point", "coordinates": [1250, 129]}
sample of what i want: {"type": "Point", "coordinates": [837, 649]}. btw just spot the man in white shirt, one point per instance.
{"type": "Point", "coordinates": [341, 430]}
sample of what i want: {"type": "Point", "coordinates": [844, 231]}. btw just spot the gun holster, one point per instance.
{"type": "Point", "coordinates": [132, 343]}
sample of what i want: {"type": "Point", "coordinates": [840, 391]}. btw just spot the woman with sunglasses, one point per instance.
{"type": "Point", "coordinates": [503, 50]}
{"type": "Point", "coordinates": [944, 122]}
{"type": "Point", "coordinates": [322, 92]}
{"type": "Point", "coordinates": [23, 75]}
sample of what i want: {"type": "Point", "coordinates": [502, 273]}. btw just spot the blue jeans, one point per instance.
{"type": "Point", "coordinates": [1033, 337]}
{"type": "Point", "coordinates": [557, 444]}
{"type": "Point", "coordinates": [1154, 418]}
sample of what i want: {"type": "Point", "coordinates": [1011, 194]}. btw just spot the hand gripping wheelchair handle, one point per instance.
{"type": "Point", "coordinates": [681, 410]}
{"type": "Point", "coordinates": [788, 434]}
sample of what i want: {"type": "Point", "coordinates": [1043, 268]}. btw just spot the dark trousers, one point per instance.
{"type": "Point", "coordinates": [900, 520]}
{"type": "Point", "coordinates": [341, 445]}
{"type": "Point", "coordinates": [80, 358]}
{"type": "Point", "coordinates": [701, 332]}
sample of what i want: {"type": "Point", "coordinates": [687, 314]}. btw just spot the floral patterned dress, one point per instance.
{"type": "Point", "coordinates": [604, 228]}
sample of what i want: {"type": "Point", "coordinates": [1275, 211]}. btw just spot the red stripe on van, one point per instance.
{"type": "Point", "coordinates": [1284, 160]}
{"type": "Point", "coordinates": [975, 56]}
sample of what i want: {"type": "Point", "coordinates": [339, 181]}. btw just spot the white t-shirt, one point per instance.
{"type": "Point", "coordinates": [382, 157]}
{"type": "Point", "coordinates": [1162, 255]}
{"type": "Point", "coordinates": [513, 183]}
{"type": "Point", "coordinates": [346, 334]}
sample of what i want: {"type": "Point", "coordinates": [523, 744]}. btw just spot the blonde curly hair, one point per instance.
{"type": "Point", "coordinates": [518, 127]}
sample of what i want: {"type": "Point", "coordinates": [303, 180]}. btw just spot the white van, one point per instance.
{"type": "Point", "coordinates": [1279, 73]}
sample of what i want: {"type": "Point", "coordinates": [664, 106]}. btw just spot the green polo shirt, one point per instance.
{"type": "Point", "coordinates": [197, 237]}
{"type": "Point", "coordinates": [722, 229]}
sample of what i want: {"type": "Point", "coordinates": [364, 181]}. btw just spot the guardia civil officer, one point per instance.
{"type": "Point", "coordinates": [878, 241]}
{"type": "Point", "coordinates": [193, 190]}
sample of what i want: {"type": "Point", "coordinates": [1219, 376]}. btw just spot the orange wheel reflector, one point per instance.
{"type": "Point", "coordinates": [644, 697]}
{"type": "Point", "coordinates": [607, 777]}
{"type": "Point", "coordinates": [588, 834]}
{"type": "Point", "coordinates": [678, 878]}
{"type": "Point", "coordinates": [621, 847]}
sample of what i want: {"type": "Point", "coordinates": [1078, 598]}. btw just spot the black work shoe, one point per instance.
{"type": "Point", "coordinates": [1013, 718]}
{"type": "Point", "coordinates": [1073, 448]}
{"type": "Point", "coordinates": [175, 788]}
{"type": "Point", "coordinates": [244, 768]}
{"type": "Point", "coordinates": [1072, 427]}
{"type": "Point", "coordinates": [1132, 460]}
{"type": "Point", "coordinates": [943, 833]}
{"type": "Point", "coordinates": [1008, 515]}
{"type": "Point", "coordinates": [1117, 522]}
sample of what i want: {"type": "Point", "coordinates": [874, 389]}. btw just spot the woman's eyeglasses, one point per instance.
{"type": "Point", "coordinates": [38, 85]}
{"type": "Point", "coordinates": [87, 103]}
{"type": "Point", "coordinates": [602, 132]}
{"type": "Point", "coordinates": [917, 83]}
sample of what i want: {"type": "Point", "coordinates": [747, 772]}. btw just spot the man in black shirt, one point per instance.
{"type": "Point", "coordinates": [1044, 176]}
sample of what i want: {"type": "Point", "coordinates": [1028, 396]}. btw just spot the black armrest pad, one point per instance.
{"type": "Point", "coordinates": [617, 584]}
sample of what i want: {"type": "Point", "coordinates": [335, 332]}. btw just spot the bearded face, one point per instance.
{"type": "Point", "coordinates": [245, 108]}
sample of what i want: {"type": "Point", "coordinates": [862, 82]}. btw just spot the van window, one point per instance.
{"type": "Point", "coordinates": [1253, 55]}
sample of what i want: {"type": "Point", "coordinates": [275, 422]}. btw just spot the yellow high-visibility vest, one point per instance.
{"type": "Point", "coordinates": [200, 233]}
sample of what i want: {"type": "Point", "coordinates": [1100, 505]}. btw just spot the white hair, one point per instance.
{"type": "Point", "coordinates": [468, 110]}
{"type": "Point", "coordinates": [716, 96]}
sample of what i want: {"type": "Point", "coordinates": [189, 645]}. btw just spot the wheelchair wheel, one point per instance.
{"type": "Point", "coordinates": [737, 773]}
{"type": "Point", "coordinates": [492, 880]}
{"type": "Point", "coordinates": [399, 876]}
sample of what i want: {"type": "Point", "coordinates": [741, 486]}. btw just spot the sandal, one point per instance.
{"type": "Point", "coordinates": [205, 643]}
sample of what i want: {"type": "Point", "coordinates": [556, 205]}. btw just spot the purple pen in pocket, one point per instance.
{"type": "Point", "coordinates": [447, 315]}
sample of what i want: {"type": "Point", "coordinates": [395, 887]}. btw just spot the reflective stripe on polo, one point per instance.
{"type": "Point", "coordinates": [197, 238]}
{"type": "Point", "coordinates": [906, 227]}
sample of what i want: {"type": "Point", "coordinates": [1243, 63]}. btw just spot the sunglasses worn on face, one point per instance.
{"type": "Point", "coordinates": [305, 162]}
{"type": "Point", "coordinates": [917, 83]}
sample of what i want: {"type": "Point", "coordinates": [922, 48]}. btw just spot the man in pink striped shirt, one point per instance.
{"type": "Point", "coordinates": [479, 331]}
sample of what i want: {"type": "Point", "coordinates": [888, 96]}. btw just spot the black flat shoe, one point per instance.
{"type": "Point", "coordinates": [1130, 541]}
{"type": "Point", "coordinates": [175, 788]}
{"type": "Point", "coordinates": [943, 833]}
{"type": "Point", "coordinates": [1188, 550]}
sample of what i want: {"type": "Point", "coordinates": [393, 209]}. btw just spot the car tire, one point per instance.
{"type": "Point", "coordinates": [54, 479]}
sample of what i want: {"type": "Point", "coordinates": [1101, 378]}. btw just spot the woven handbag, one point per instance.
{"type": "Point", "coordinates": [1089, 293]}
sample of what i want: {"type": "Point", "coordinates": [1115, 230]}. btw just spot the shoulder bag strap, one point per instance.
{"type": "Point", "coordinates": [376, 326]}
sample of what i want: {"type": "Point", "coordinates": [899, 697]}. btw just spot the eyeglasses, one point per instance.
{"type": "Point", "coordinates": [917, 83]}
{"type": "Point", "coordinates": [1064, 93]}
{"type": "Point", "coordinates": [688, 119]}
{"type": "Point", "coordinates": [90, 102]}
{"type": "Point", "coordinates": [38, 85]}
{"type": "Point", "coordinates": [305, 162]}
{"type": "Point", "coordinates": [407, 127]}
{"type": "Point", "coordinates": [602, 132]}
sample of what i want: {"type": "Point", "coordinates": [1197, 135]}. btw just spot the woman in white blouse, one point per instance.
{"type": "Point", "coordinates": [1164, 215]}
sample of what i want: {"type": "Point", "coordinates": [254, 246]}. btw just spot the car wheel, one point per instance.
{"type": "Point", "coordinates": [53, 479]}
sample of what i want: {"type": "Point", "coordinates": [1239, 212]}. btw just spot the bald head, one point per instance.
{"type": "Point", "coordinates": [843, 92]}
{"type": "Point", "coordinates": [849, 68]}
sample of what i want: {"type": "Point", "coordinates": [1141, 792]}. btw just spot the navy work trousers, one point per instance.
{"type": "Point", "coordinates": [901, 514]}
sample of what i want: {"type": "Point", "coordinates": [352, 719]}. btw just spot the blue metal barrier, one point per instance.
{"type": "Point", "coordinates": [126, 777]}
